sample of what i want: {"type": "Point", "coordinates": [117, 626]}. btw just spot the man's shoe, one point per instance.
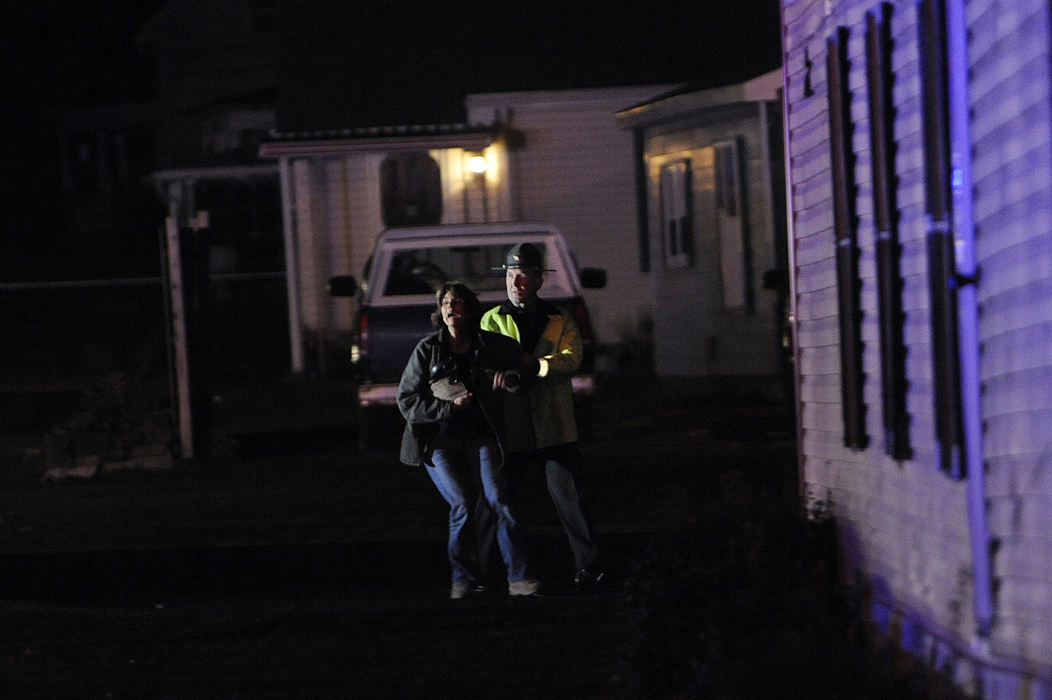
{"type": "Point", "coordinates": [587, 580]}
{"type": "Point", "coordinates": [526, 586]}
{"type": "Point", "coordinates": [459, 589]}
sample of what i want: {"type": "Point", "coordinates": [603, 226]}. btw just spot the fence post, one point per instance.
{"type": "Point", "coordinates": [188, 299]}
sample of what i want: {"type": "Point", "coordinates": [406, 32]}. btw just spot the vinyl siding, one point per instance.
{"type": "Point", "coordinates": [904, 525]}
{"type": "Point", "coordinates": [576, 171]}
{"type": "Point", "coordinates": [697, 332]}
{"type": "Point", "coordinates": [1013, 215]}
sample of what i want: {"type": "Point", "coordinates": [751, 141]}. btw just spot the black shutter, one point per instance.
{"type": "Point", "coordinates": [942, 277]}
{"type": "Point", "coordinates": [886, 221]}
{"type": "Point", "coordinates": [845, 225]}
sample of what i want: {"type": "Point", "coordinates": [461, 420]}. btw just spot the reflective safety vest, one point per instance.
{"type": "Point", "coordinates": [544, 413]}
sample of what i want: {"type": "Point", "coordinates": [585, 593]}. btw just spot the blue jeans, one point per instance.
{"type": "Point", "coordinates": [460, 466]}
{"type": "Point", "coordinates": [562, 475]}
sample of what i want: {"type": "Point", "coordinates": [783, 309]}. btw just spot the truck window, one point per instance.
{"type": "Point", "coordinates": [423, 269]}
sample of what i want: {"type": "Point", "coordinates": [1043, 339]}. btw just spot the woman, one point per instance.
{"type": "Point", "coordinates": [454, 415]}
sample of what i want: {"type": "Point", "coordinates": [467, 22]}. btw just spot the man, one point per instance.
{"type": "Point", "coordinates": [545, 430]}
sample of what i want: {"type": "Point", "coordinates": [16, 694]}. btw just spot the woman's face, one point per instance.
{"type": "Point", "coordinates": [454, 312]}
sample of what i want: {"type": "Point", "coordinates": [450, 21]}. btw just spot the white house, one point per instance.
{"type": "Point", "coordinates": [919, 167]}
{"type": "Point", "coordinates": [713, 223]}
{"type": "Point", "coordinates": [555, 156]}
{"type": "Point", "coordinates": [303, 131]}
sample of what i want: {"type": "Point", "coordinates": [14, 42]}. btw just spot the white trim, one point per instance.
{"type": "Point", "coordinates": [968, 320]}
{"type": "Point", "coordinates": [540, 99]}
{"type": "Point", "coordinates": [180, 357]}
{"type": "Point", "coordinates": [292, 272]}
{"type": "Point", "coordinates": [231, 172]}
{"type": "Point", "coordinates": [386, 144]}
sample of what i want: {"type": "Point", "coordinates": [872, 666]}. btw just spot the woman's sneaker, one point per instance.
{"type": "Point", "coordinates": [526, 586]}
{"type": "Point", "coordinates": [459, 589]}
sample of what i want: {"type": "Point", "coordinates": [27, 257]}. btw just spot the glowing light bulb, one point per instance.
{"type": "Point", "coordinates": [477, 164]}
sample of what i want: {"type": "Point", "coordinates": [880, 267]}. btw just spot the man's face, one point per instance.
{"type": "Point", "coordinates": [523, 284]}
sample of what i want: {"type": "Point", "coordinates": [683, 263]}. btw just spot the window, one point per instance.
{"type": "Point", "coordinates": [421, 270]}
{"type": "Point", "coordinates": [94, 160]}
{"type": "Point", "coordinates": [730, 227]}
{"type": "Point", "coordinates": [410, 190]}
{"type": "Point", "coordinates": [677, 218]}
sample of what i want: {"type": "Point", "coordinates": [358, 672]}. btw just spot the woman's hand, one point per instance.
{"type": "Point", "coordinates": [462, 401]}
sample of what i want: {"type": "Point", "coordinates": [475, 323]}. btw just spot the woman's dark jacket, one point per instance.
{"type": "Point", "coordinates": [423, 411]}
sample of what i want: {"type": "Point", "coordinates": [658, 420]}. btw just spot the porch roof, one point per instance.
{"type": "Point", "coordinates": [675, 106]}
{"type": "Point", "coordinates": [379, 138]}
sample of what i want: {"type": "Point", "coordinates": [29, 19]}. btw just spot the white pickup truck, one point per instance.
{"type": "Point", "coordinates": [397, 295]}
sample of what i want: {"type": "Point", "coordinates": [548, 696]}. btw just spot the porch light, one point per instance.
{"type": "Point", "coordinates": [477, 164]}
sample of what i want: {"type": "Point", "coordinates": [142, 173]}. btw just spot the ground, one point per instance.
{"type": "Point", "coordinates": [296, 564]}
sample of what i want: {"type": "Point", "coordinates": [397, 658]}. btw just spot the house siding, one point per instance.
{"type": "Point", "coordinates": [904, 523]}
{"type": "Point", "coordinates": [696, 333]}
{"type": "Point", "coordinates": [576, 171]}
{"type": "Point", "coordinates": [565, 162]}
{"type": "Point", "coordinates": [1012, 171]}
{"type": "Point", "coordinates": [205, 53]}
{"type": "Point", "coordinates": [708, 292]}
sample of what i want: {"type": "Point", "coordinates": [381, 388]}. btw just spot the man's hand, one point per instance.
{"type": "Point", "coordinates": [508, 380]}
{"type": "Point", "coordinates": [531, 366]}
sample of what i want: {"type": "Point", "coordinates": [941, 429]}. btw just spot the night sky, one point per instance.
{"type": "Point", "coordinates": [70, 53]}
{"type": "Point", "coordinates": [343, 63]}
{"type": "Point", "coordinates": [58, 54]}
{"type": "Point", "coordinates": [413, 62]}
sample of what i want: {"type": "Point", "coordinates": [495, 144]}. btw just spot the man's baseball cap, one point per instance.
{"type": "Point", "coordinates": [525, 255]}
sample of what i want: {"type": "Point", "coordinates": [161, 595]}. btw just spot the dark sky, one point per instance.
{"type": "Point", "coordinates": [348, 63]}
{"type": "Point", "coordinates": [67, 52]}
{"type": "Point", "coordinates": [423, 57]}
{"type": "Point", "coordinates": [57, 53]}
